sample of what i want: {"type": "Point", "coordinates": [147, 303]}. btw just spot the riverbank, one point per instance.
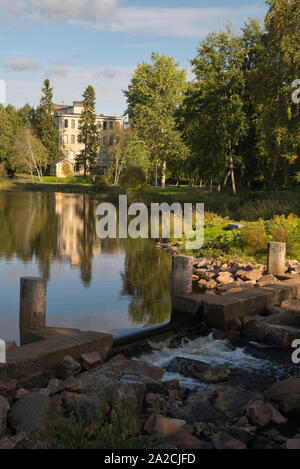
{"type": "Point", "coordinates": [180, 390]}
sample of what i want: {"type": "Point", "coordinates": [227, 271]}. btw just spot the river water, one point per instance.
{"type": "Point", "coordinates": [111, 285]}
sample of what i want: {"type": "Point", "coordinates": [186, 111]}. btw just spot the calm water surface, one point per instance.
{"type": "Point", "coordinates": [115, 286]}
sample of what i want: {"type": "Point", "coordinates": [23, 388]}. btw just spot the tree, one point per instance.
{"type": "Point", "coordinates": [31, 154]}
{"type": "Point", "coordinates": [89, 134]}
{"type": "Point", "coordinates": [45, 124]}
{"type": "Point", "coordinates": [153, 97]}
{"type": "Point", "coordinates": [217, 97]}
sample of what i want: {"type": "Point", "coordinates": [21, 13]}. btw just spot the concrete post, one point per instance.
{"type": "Point", "coordinates": [32, 303]}
{"type": "Point", "coordinates": [182, 273]}
{"type": "Point", "coordinates": [276, 258]}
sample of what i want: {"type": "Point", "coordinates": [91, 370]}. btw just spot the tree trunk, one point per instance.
{"type": "Point", "coordinates": [274, 169]}
{"type": "Point", "coordinates": [231, 166]}
{"type": "Point", "coordinates": [163, 174]}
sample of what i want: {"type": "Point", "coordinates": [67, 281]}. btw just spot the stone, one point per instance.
{"type": "Point", "coordinates": [20, 392]}
{"type": "Point", "coordinates": [232, 401]}
{"type": "Point", "coordinates": [251, 275]}
{"type": "Point", "coordinates": [90, 360]}
{"type": "Point", "coordinates": [234, 325]}
{"type": "Point", "coordinates": [173, 384]}
{"type": "Point", "coordinates": [134, 367]}
{"type": "Point", "coordinates": [224, 277]}
{"type": "Point", "coordinates": [286, 395]}
{"type": "Point", "coordinates": [235, 226]}
{"type": "Point", "coordinates": [87, 406]}
{"type": "Point", "coordinates": [203, 262]}
{"type": "Point", "coordinates": [160, 342]}
{"type": "Point", "coordinates": [68, 367]}
{"type": "Point", "coordinates": [293, 443]}
{"type": "Point", "coordinates": [258, 414]}
{"type": "Point", "coordinates": [275, 415]}
{"type": "Point", "coordinates": [10, 345]}
{"type": "Point", "coordinates": [4, 407]}
{"type": "Point", "coordinates": [14, 442]}
{"type": "Point", "coordinates": [267, 280]}
{"type": "Point", "coordinates": [224, 441]}
{"type": "Point", "coordinates": [71, 384]}
{"type": "Point", "coordinates": [54, 385]}
{"type": "Point", "coordinates": [199, 370]}
{"type": "Point", "coordinates": [171, 433]}
{"type": "Point", "coordinates": [198, 411]}
{"type": "Point", "coordinates": [211, 284]}
{"type": "Point", "coordinates": [29, 414]}
{"type": "Point", "coordinates": [291, 305]}
{"type": "Point", "coordinates": [267, 331]}
{"type": "Point", "coordinates": [8, 388]}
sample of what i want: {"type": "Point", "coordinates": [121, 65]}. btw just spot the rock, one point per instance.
{"type": "Point", "coordinates": [14, 442]}
{"type": "Point", "coordinates": [219, 335]}
{"type": "Point", "coordinates": [173, 384]}
{"type": "Point", "coordinates": [29, 414]}
{"type": "Point", "coordinates": [198, 411]}
{"type": "Point", "coordinates": [250, 275]}
{"type": "Point", "coordinates": [211, 284]}
{"type": "Point", "coordinates": [117, 358]}
{"type": "Point", "coordinates": [202, 262]}
{"type": "Point", "coordinates": [90, 360]}
{"type": "Point", "coordinates": [68, 367]}
{"type": "Point", "coordinates": [87, 406]}
{"type": "Point", "coordinates": [4, 407]}
{"type": "Point", "coordinates": [234, 325]}
{"type": "Point", "coordinates": [291, 305]}
{"type": "Point", "coordinates": [160, 342]}
{"type": "Point", "coordinates": [272, 330]}
{"type": "Point", "coordinates": [225, 277]}
{"type": "Point", "coordinates": [258, 414]}
{"type": "Point", "coordinates": [235, 226]}
{"type": "Point", "coordinates": [268, 279]}
{"type": "Point", "coordinates": [199, 370]}
{"type": "Point", "coordinates": [242, 422]}
{"type": "Point", "coordinates": [232, 401]}
{"type": "Point", "coordinates": [171, 433]}
{"type": "Point", "coordinates": [276, 416]}
{"type": "Point", "coordinates": [20, 392]}
{"type": "Point", "coordinates": [157, 403]}
{"type": "Point", "coordinates": [133, 367]}
{"type": "Point", "coordinates": [224, 441]}
{"type": "Point", "coordinates": [71, 384]}
{"type": "Point", "coordinates": [293, 444]}
{"type": "Point", "coordinates": [54, 385]}
{"type": "Point", "coordinates": [10, 345]}
{"type": "Point", "coordinates": [243, 434]}
{"type": "Point", "coordinates": [8, 388]}
{"type": "Point", "coordinates": [178, 422]}
{"type": "Point", "coordinates": [286, 395]}
{"type": "Point", "coordinates": [195, 278]}
{"type": "Point", "coordinates": [272, 309]}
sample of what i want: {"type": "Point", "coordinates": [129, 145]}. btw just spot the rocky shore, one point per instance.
{"type": "Point", "coordinates": [228, 408]}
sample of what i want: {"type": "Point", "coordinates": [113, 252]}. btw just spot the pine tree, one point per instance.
{"type": "Point", "coordinates": [45, 124]}
{"type": "Point", "coordinates": [89, 134]}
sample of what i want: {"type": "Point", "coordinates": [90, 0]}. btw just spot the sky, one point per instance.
{"type": "Point", "coordinates": [99, 42]}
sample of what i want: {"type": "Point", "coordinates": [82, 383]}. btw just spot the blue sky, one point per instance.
{"type": "Point", "coordinates": [99, 42]}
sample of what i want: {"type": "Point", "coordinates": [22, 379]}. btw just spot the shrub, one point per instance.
{"type": "Point", "coordinates": [284, 230]}
{"type": "Point", "coordinates": [101, 183]}
{"type": "Point", "coordinates": [133, 180]}
{"type": "Point", "coordinates": [254, 237]}
{"type": "Point", "coordinates": [3, 173]}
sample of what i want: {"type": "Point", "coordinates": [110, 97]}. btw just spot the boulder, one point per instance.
{"type": "Point", "coordinates": [86, 406]}
{"type": "Point", "coordinates": [232, 401]}
{"type": "Point", "coordinates": [15, 442]}
{"type": "Point", "coordinates": [272, 330]}
{"type": "Point", "coordinates": [171, 433]}
{"type": "Point", "coordinates": [268, 279]}
{"type": "Point", "coordinates": [198, 411]}
{"type": "Point", "coordinates": [68, 367]}
{"type": "Point", "coordinates": [90, 360]}
{"type": "Point", "coordinates": [293, 443]}
{"type": "Point", "coordinates": [29, 414]}
{"type": "Point", "coordinates": [160, 342]}
{"type": "Point", "coordinates": [291, 305]}
{"type": "Point", "coordinates": [199, 370]}
{"type": "Point", "coordinates": [224, 441]}
{"type": "Point", "coordinates": [250, 275]}
{"type": "Point", "coordinates": [8, 388]}
{"type": "Point", "coordinates": [258, 414]}
{"type": "Point", "coordinates": [286, 395]}
{"type": "Point", "coordinates": [4, 407]}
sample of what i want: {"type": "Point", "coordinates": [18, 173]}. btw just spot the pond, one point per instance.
{"type": "Point", "coordinates": [110, 285]}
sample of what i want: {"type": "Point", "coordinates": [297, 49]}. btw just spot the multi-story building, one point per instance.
{"type": "Point", "coordinates": [68, 122]}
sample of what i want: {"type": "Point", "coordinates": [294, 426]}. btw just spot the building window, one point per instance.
{"type": "Point", "coordinates": [111, 125]}
{"type": "Point", "coordinates": [104, 125]}
{"type": "Point", "coordinates": [66, 123]}
{"type": "Point", "coordinates": [73, 123]}
{"type": "Point", "coordinates": [73, 139]}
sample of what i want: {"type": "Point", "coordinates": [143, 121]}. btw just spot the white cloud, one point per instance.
{"type": "Point", "coordinates": [109, 15]}
{"type": "Point", "coordinates": [110, 99]}
{"type": "Point", "coordinates": [21, 65]}
{"type": "Point", "coordinates": [58, 70]}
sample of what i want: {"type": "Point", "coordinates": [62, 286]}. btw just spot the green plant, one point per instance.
{"type": "Point", "coordinates": [133, 180]}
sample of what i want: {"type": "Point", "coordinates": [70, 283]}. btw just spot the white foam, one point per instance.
{"type": "Point", "coordinates": [207, 350]}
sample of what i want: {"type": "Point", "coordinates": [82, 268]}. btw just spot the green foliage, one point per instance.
{"type": "Point", "coordinates": [89, 135]}
{"type": "Point", "coordinates": [153, 97]}
{"type": "Point", "coordinates": [133, 179]}
{"type": "Point", "coordinates": [44, 123]}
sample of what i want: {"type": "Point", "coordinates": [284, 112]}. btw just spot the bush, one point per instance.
{"type": "Point", "coordinates": [133, 180]}
{"type": "Point", "coordinates": [101, 183]}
